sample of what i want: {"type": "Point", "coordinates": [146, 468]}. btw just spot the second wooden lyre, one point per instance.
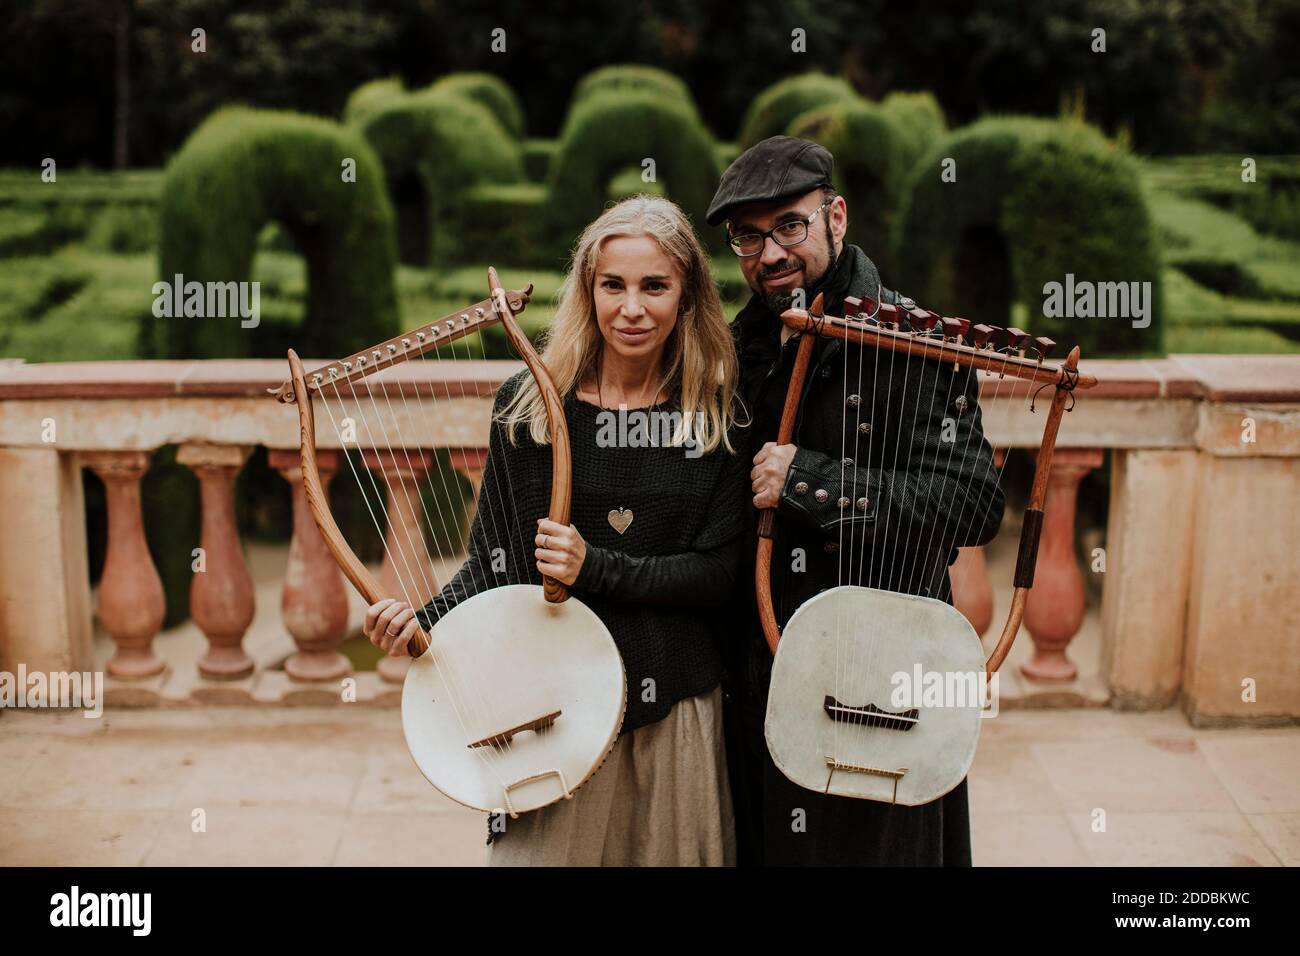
{"type": "Point", "coordinates": [516, 695]}
{"type": "Point", "coordinates": [835, 721]}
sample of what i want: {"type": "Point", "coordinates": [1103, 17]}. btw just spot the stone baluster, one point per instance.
{"type": "Point", "coordinates": [313, 602]}
{"type": "Point", "coordinates": [469, 462]}
{"type": "Point", "coordinates": [1055, 607]}
{"type": "Point", "coordinates": [221, 595]}
{"type": "Point", "coordinates": [131, 602]}
{"type": "Point", "coordinates": [407, 573]}
{"type": "Point", "coordinates": [972, 592]}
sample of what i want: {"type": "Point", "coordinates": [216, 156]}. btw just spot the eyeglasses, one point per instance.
{"type": "Point", "coordinates": [789, 233]}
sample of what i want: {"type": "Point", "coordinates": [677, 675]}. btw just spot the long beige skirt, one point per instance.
{"type": "Point", "coordinates": [661, 798]}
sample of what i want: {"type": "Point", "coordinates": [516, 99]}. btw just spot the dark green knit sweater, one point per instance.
{"type": "Point", "coordinates": [659, 586]}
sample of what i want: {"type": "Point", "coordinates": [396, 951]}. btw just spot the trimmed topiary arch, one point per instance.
{"type": "Point", "coordinates": [870, 168]}
{"type": "Point", "coordinates": [489, 90]}
{"type": "Point", "coordinates": [632, 78]}
{"type": "Point", "coordinates": [610, 131]}
{"type": "Point", "coordinates": [1034, 200]}
{"type": "Point", "coordinates": [918, 119]}
{"type": "Point", "coordinates": [772, 111]}
{"type": "Point", "coordinates": [434, 146]}
{"type": "Point", "coordinates": [368, 97]}
{"type": "Point", "coordinates": [243, 169]}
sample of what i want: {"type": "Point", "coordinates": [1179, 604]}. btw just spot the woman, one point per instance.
{"type": "Point", "coordinates": [655, 539]}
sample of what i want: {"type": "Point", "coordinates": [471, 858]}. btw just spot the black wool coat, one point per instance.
{"type": "Point", "coordinates": [892, 475]}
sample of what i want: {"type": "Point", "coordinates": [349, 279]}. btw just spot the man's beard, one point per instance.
{"type": "Point", "coordinates": [778, 302]}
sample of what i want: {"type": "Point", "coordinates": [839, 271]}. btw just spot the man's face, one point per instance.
{"type": "Point", "coordinates": [778, 271]}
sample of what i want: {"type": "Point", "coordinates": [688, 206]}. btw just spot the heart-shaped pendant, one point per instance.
{"type": "Point", "coordinates": [620, 519]}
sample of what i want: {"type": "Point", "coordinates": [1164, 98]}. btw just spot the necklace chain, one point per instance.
{"type": "Point", "coordinates": [600, 392]}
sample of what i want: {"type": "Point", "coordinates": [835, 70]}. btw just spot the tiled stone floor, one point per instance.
{"type": "Point", "coordinates": [336, 786]}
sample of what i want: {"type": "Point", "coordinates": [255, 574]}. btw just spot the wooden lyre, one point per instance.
{"type": "Point", "coordinates": [848, 740]}
{"type": "Point", "coordinates": [507, 660]}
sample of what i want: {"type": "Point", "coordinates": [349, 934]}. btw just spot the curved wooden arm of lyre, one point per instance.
{"type": "Point", "coordinates": [1065, 378]}
{"type": "Point", "coordinates": [561, 462]}
{"type": "Point", "coordinates": [301, 385]}
{"type": "Point", "coordinates": [319, 506]}
{"type": "Point", "coordinates": [1032, 527]}
{"type": "Point", "coordinates": [767, 518]}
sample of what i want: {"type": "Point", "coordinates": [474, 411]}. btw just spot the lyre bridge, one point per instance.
{"type": "Point", "coordinates": [501, 739]}
{"type": "Point", "coordinates": [869, 715]}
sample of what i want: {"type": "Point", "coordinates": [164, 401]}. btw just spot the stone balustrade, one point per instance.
{"type": "Point", "coordinates": [1198, 568]}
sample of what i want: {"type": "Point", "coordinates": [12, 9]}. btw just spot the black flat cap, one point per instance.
{"type": "Point", "coordinates": [780, 167]}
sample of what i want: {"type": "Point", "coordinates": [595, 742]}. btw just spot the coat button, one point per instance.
{"type": "Point", "coordinates": [847, 462]}
{"type": "Point", "coordinates": [801, 488]}
{"type": "Point", "coordinates": [865, 428]}
{"type": "Point", "coordinates": [854, 400]}
{"type": "Point", "coordinates": [861, 504]}
{"type": "Point", "coordinates": [821, 494]}
{"type": "Point", "coordinates": [843, 503]}
{"type": "Point", "coordinates": [961, 404]}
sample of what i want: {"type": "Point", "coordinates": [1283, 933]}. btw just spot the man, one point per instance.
{"type": "Point", "coordinates": [888, 474]}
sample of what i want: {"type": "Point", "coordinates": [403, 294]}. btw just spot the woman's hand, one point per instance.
{"type": "Point", "coordinates": [390, 624]}
{"type": "Point", "coordinates": [560, 551]}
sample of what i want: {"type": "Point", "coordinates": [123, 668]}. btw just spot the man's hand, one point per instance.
{"type": "Point", "coordinates": [771, 465]}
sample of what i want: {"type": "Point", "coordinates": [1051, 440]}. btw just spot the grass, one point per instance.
{"type": "Point", "coordinates": [1232, 288]}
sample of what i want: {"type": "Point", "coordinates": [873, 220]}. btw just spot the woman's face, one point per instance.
{"type": "Point", "coordinates": [637, 291]}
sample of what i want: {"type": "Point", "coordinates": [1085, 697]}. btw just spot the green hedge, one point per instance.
{"type": "Point", "coordinates": [371, 96]}
{"type": "Point", "coordinates": [538, 154]}
{"type": "Point", "coordinates": [444, 144]}
{"type": "Point", "coordinates": [245, 168]}
{"type": "Point", "coordinates": [509, 223]}
{"type": "Point", "coordinates": [875, 146]}
{"type": "Point", "coordinates": [1033, 200]}
{"type": "Point", "coordinates": [918, 122]}
{"type": "Point", "coordinates": [773, 110]}
{"type": "Point", "coordinates": [490, 91]}
{"type": "Point", "coordinates": [607, 132]}
{"type": "Point", "coordinates": [871, 166]}
{"type": "Point", "coordinates": [632, 78]}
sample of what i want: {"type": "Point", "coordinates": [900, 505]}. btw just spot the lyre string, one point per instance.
{"type": "Point", "coordinates": [857, 430]}
{"type": "Point", "coordinates": [866, 659]}
{"type": "Point", "coordinates": [482, 582]}
{"type": "Point", "coordinates": [486, 575]}
{"type": "Point", "coordinates": [934, 579]}
{"type": "Point", "coordinates": [418, 549]}
{"type": "Point", "coordinates": [463, 702]}
{"type": "Point", "coordinates": [1007, 354]}
{"type": "Point", "coordinates": [444, 671]}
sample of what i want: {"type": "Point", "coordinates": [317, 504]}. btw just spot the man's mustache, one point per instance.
{"type": "Point", "coordinates": [785, 265]}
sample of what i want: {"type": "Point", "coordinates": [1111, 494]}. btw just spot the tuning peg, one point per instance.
{"type": "Point", "coordinates": [955, 328]}
{"type": "Point", "coordinates": [926, 319]}
{"type": "Point", "coordinates": [817, 306]}
{"type": "Point", "coordinates": [980, 335]}
{"type": "Point", "coordinates": [1044, 345]}
{"type": "Point", "coordinates": [852, 306]}
{"type": "Point", "coordinates": [1016, 339]}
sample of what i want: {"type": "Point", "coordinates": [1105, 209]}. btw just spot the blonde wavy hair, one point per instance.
{"type": "Point", "coordinates": [699, 357]}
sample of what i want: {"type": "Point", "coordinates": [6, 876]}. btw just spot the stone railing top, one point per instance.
{"type": "Point", "coordinates": [228, 378]}
{"type": "Point", "coordinates": [1215, 378]}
